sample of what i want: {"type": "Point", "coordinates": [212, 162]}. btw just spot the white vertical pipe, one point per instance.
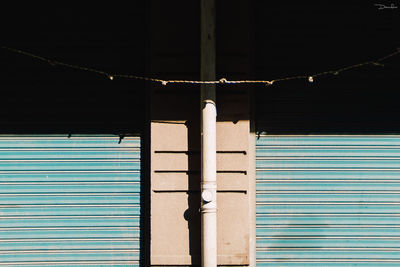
{"type": "Point", "coordinates": [208, 138]}
{"type": "Point", "coordinates": [208, 188]}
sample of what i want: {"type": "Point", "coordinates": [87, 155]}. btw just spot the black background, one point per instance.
{"type": "Point", "coordinates": [288, 38]}
{"type": "Point", "coordinates": [37, 97]}
{"type": "Point", "coordinates": [307, 37]}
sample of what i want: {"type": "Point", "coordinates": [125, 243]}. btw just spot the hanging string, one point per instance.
{"type": "Point", "coordinates": [112, 76]}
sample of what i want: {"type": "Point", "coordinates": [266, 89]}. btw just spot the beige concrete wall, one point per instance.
{"type": "Point", "coordinates": [175, 178]}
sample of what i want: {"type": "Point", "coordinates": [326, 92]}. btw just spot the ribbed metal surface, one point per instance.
{"type": "Point", "coordinates": [69, 201]}
{"type": "Point", "coordinates": [328, 200]}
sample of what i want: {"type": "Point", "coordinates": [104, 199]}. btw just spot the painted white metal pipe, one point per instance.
{"type": "Point", "coordinates": [208, 138]}
{"type": "Point", "coordinates": [209, 186]}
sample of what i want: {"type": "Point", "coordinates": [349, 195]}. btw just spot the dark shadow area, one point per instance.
{"type": "Point", "coordinates": [145, 184]}
{"type": "Point", "coordinates": [306, 38]}
{"type": "Point", "coordinates": [38, 97]}
{"type": "Point", "coordinates": [192, 214]}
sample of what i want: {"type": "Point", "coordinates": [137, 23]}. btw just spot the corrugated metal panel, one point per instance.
{"type": "Point", "coordinates": [69, 201]}
{"type": "Point", "coordinates": [328, 201]}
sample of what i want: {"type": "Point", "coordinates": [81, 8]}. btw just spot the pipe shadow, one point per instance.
{"type": "Point", "coordinates": [192, 214]}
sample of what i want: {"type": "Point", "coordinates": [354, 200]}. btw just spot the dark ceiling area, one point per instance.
{"type": "Point", "coordinates": [38, 97]}
{"type": "Point", "coordinates": [283, 38]}
{"type": "Point", "coordinates": [300, 38]}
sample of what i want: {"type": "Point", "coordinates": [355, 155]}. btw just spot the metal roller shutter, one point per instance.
{"type": "Point", "coordinates": [328, 201]}
{"type": "Point", "coordinates": [69, 201]}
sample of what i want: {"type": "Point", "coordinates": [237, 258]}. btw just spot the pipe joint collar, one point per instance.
{"type": "Point", "coordinates": [211, 185]}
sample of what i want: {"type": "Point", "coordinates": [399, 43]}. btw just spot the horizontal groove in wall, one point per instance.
{"type": "Point", "coordinates": [93, 160]}
{"type": "Point", "coordinates": [328, 260]}
{"type": "Point", "coordinates": [196, 152]}
{"type": "Point", "coordinates": [261, 203]}
{"type": "Point", "coordinates": [106, 239]}
{"type": "Point", "coordinates": [76, 228]}
{"type": "Point", "coordinates": [371, 191]}
{"type": "Point", "coordinates": [260, 215]}
{"type": "Point", "coordinates": [73, 149]}
{"type": "Point", "coordinates": [61, 144]}
{"type": "Point", "coordinates": [317, 237]}
{"type": "Point", "coordinates": [260, 181]}
{"type": "Point", "coordinates": [328, 248]}
{"type": "Point", "coordinates": [75, 263]}
{"type": "Point", "coordinates": [328, 169]}
{"type": "Point", "coordinates": [71, 194]}
{"type": "Point", "coordinates": [307, 226]}
{"type": "Point", "coordinates": [168, 122]}
{"type": "Point", "coordinates": [198, 191]}
{"type": "Point", "coordinates": [4, 206]}
{"type": "Point", "coordinates": [327, 136]}
{"type": "Point", "coordinates": [350, 158]}
{"type": "Point", "coordinates": [78, 251]}
{"type": "Point", "coordinates": [329, 146]}
{"type": "Point", "coordinates": [197, 172]}
{"type": "Point", "coordinates": [68, 171]}
{"type": "Point", "coordinates": [71, 183]}
{"type": "Point", "coordinates": [43, 138]}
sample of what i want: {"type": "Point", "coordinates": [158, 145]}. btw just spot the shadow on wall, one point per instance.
{"type": "Point", "coordinates": [192, 214]}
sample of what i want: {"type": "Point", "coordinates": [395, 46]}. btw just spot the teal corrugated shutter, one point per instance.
{"type": "Point", "coordinates": [328, 201]}
{"type": "Point", "coordinates": [69, 201]}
